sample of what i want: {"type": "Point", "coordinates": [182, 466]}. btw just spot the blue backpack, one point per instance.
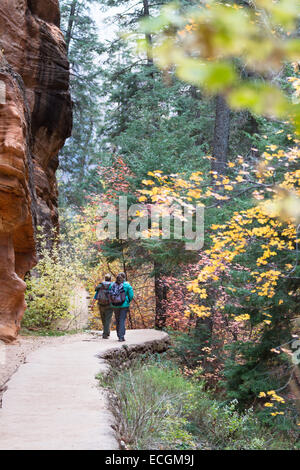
{"type": "Point", "coordinates": [117, 294]}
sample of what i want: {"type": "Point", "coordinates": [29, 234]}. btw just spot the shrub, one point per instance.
{"type": "Point", "coordinates": [149, 403]}
{"type": "Point", "coordinates": [50, 286]}
{"type": "Point", "coordinates": [158, 408]}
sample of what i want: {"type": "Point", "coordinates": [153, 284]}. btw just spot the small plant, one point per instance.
{"type": "Point", "coordinates": [158, 408]}
{"type": "Point", "coordinates": [148, 401]}
{"type": "Point", "coordinates": [50, 286]}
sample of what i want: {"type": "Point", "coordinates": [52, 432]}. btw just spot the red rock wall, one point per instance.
{"type": "Point", "coordinates": [35, 120]}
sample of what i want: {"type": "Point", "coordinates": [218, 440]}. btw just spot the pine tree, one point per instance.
{"type": "Point", "coordinates": [78, 159]}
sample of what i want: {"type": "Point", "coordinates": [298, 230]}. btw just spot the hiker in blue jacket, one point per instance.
{"type": "Point", "coordinates": [102, 295]}
{"type": "Point", "coordinates": [121, 294]}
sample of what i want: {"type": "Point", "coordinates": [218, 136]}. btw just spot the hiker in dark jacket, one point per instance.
{"type": "Point", "coordinates": [102, 295]}
{"type": "Point", "coordinates": [121, 296]}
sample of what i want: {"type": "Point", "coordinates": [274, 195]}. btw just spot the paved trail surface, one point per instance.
{"type": "Point", "coordinates": [53, 400]}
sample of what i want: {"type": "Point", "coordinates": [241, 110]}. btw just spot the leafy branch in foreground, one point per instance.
{"type": "Point", "coordinates": [238, 50]}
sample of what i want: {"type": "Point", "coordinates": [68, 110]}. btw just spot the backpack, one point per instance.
{"type": "Point", "coordinates": [117, 294]}
{"type": "Point", "coordinates": [103, 296]}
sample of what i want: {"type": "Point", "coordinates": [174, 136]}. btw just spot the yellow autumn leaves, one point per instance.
{"type": "Point", "coordinates": [209, 44]}
{"type": "Point", "coordinates": [275, 398]}
{"type": "Point", "coordinates": [257, 225]}
{"type": "Point", "coordinates": [201, 311]}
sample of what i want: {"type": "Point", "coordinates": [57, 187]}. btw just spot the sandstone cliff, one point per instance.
{"type": "Point", "coordinates": [35, 120]}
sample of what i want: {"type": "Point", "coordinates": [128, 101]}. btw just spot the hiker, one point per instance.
{"type": "Point", "coordinates": [121, 294]}
{"type": "Point", "coordinates": [102, 295]}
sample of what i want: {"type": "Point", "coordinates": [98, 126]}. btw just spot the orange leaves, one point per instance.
{"type": "Point", "coordinates": [115, 179]}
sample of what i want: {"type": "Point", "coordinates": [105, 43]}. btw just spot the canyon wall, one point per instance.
{"type": "Point", "coordinates": [35, 120]}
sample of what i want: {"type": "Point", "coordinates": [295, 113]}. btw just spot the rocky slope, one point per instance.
{"type": "Point", "coordinates": [35, 120]}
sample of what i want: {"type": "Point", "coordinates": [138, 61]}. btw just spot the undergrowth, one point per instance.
{"type": "Point", "coordinates": [156, 407]}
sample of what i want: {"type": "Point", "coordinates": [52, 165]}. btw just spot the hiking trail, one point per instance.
{"type": "Point", "coordinates": [54, 402]}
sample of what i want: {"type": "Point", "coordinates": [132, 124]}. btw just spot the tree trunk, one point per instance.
{"type": "Point", "coordinates": [70, 24]}
{"type": "Point", "coordinates": [160, 298]}
{"type": "Point", "coordinates": [221, 136]}
{"type": "Point", "coordinates": [148, 36]}
{"type": "Point", "coordinates": [195, 94]}
{"type": "Point", "coordinates": [204, 330]}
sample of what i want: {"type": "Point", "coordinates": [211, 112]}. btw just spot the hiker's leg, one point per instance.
{"type": "Point", "coordinates": [102, 314]}
{"type": "Point", "coordinates": [117, 315]}
{"type": "Point", "coordinates": [107, 321]}
{"type": "Point", "coordinates": [123, 315]}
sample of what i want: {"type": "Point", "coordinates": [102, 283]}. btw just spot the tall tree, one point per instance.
{"type": "Point", "coordinates": [79, 157]}
{"type": "Point", "coordinates": [154, 125]}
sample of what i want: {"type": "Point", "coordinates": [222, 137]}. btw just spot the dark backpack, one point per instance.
{"type": "Point", "coordinates": [103, 296]}
{"type": "Point", "coordinates": [117, 294]}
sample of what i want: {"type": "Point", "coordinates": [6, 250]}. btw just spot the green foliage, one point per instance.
{"type": "Point", "coordinates": [50, 286]}
{"type": "Point", "coordinates": [158, 408]}
{"type": "Point", "coordinates": [187, 348]}
{"type": "Point", "coordinates": [150, 408]}
{"type": "Point", "coordinates": [78, 159]}
{"type": "Point", "coordinates": [229, 48]}
{"type": "Point", "coordinates": [128, 106]}
{"type": "Point", "coordinates": [156, 119]}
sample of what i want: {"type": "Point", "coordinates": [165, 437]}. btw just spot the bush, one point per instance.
{"type": "Point", "coordinates": [147, 397]}
{"type": "Point", "coordinates": [50, 286]}
{"type": "Point", "coordinates": [158, 408]}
